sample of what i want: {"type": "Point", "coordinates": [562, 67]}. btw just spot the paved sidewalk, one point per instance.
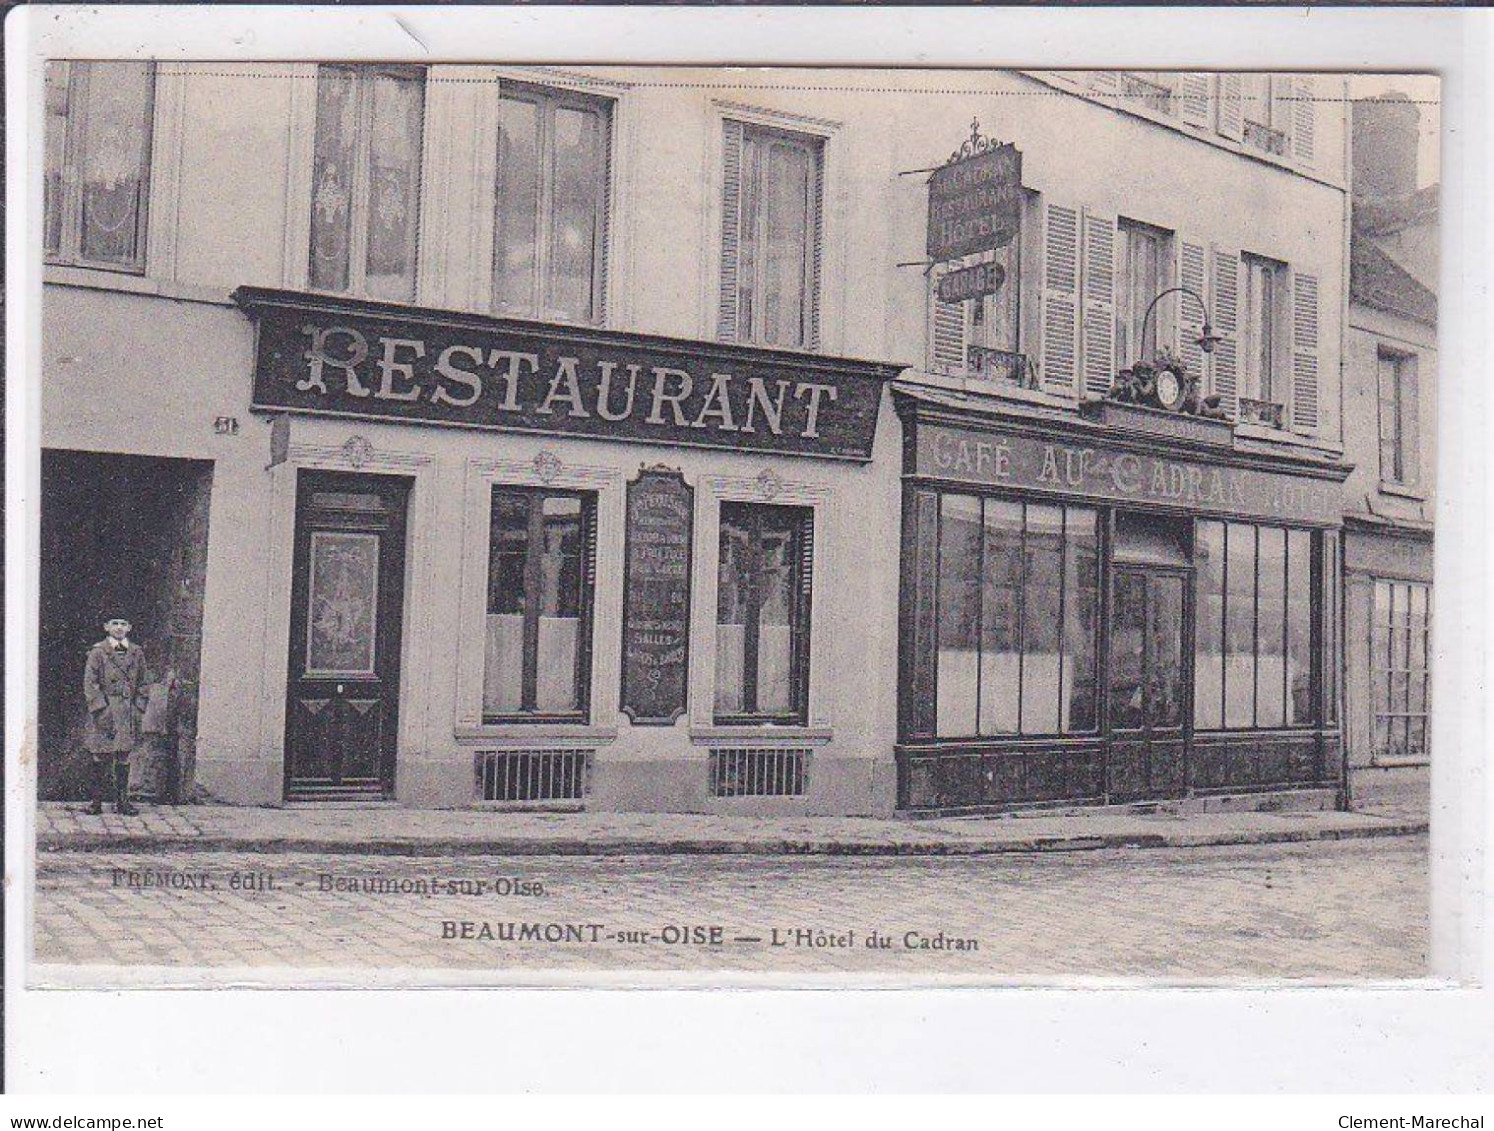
{"type": "Point", "coordinates": [396, 831]}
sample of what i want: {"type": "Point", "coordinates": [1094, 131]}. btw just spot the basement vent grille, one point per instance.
{"type": "Point", "coordinates": [759, 772]}
{"type": "Point", "coordinates": [532, 775]}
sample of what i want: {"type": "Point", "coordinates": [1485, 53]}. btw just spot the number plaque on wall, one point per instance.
{"type": "Point", "coordinates": [656, 597]}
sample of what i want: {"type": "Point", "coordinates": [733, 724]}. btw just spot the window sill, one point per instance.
{"type": "Point", "coordinates": [1286, 436]}
{"type": "Point", "coordinates": [1410, 761]}
{"type": "Point", "coordinates": [760, 735]}
{"type": "Point", "coordinates": [518, 734]}
{"type": "Point", "coordinates": [1401, 490]}
{"type": "Point", "coordinates": [107, 279]}
{"type": "Point", "coordinates": [1003, 390]}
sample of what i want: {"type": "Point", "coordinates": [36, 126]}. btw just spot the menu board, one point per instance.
{"type": "Point", "coordinates": [656, 597]}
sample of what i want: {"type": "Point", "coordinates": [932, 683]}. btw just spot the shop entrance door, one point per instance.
{"type": "Point", "coordinates": [347, 601]}
{"type": "Point", "coordinates": [1149, 684]}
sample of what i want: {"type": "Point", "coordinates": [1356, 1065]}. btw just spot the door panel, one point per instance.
{"type": "Point", "coordinates": [1149, 690]}
{"type": "Point", "coordinates": [347, 603]}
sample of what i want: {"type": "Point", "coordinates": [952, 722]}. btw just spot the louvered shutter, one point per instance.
{"type": "Point", "coordinates": [1231, 107]}
{"type": "Point", "coordinates": [947, 326]}
{"type": "Point", "coordinates": [1060, 346]}
{"type": "Point", "coordinates": [1225, 277]}
{"type": "Point", "coordinates": [1195, 101]}
{"type": "Point", "coordinates": [802, 619]}
{"type": "Point", "coordinates": [1191, 270]}
{"type": "Point", "coordinates": [731, 230]}
{"type": "Point", "coordinates": [1304, 352]}
{"type": "Point", "coordinates": [1304, 121]}
{"type": "Point", "coordinates": [1283, 91]}
{"type": "Point", "coordinates": [816, 245]}
{"type": "Point", "coordinates": [1098, 318]}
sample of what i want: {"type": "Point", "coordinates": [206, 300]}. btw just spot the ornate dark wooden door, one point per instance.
{"type": "Point", "coordinates": [1150, 677]}
{"type": "Point", "coordinates": [347, 602]}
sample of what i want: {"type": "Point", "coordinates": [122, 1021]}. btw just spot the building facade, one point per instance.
{"type": "Point", "coordinates": [468, 435]}
{"type": "Point", "coordinates": [1390, 431]}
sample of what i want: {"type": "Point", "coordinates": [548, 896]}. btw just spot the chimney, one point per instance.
{"type": "Point", "coordinates": [1386, 133]}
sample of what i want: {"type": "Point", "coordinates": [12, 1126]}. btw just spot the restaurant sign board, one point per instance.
{"type": "Point", "coordinates": [656, 597]}
{"type": "Point", "coordinates": [975, 203]}
{"type": "Point", "coordinates": [1036, 463]}
{"type": "Point", "coordinates": [324, 355]}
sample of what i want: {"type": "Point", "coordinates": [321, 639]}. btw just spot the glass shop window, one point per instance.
{"type": "Point", "coordinates": [365, 204]}
{"type": "Point", "coordinates": [1401, 670]}
{"type": "Point", "coordinates": [98, 150]}
{"type": "Point", "coordinates": [1016, 600]}
{"type": "Point", "coordinates": [764, 576]}
{"type": "Point", "coordinates": [1253, 634]}
{"type": "Point", "coordinates": [550, 218]}
{"type": "Point", "coordinates": [541, 577]}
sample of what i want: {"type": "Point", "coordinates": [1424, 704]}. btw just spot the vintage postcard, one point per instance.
{"type": "Point", "coordinates": [502, 523]}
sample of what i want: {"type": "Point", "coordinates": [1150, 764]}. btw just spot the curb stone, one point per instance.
{"type": "Point", "coordinates": [700, 846]}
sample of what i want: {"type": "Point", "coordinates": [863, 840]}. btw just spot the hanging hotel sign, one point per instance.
{"type": "Point", "coordinates": [331, 356]}
{"type": "Point", "coordinates": [656, 597]}
{"type": "Point", "coordinates": [1035, 463]}
{"type": "Point", "coordinates": [975, 200]}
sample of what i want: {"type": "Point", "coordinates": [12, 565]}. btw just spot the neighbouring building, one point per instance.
{"type": "Point", "coordinates": [1390, 401]}
{"type": "Point", "coordinates": [488, 435]}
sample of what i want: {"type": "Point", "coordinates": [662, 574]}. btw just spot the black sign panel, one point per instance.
{"type": "Point", "coordinates": [976, 281]}
{"type": "Point", "coordinates": [320, 354]}
{"type": "Point", "coordinates": [656, 597]}
{"type": "Point", "coordinates": [975, 204]}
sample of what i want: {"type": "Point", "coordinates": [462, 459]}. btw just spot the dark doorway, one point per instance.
{"type": "Point", "coordinates": [121, 535]}
{"type": "Point", "coordinates": [347, 605]}
{"type": "Point", "coordinates": [1149, 683]}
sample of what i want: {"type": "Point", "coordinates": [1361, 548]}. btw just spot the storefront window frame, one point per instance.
{"type": "Point", "coordinates": [801, 624]}
{"type": "Point", "coordinates": [910, 722]}
{"type": "Point", "coordinates": [585, 645]}
{"type": "Point", "coordinates": [1321, 592]}
{"type": "Point", "coordinates": [1384, 664]}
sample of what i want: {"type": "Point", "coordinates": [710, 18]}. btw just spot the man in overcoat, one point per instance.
{"type": "Point", "coordinates": [114, 688]}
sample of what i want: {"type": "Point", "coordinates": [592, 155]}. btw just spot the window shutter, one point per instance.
{"type": "Point", "coordinates": [1060, 299]}
{"type": "Point", "coordinates": [802, 621]}
{"type": "Point", "coordinates": [588, 600]}
{"type": "Point", "coordinates": [947, 326]}
{"type": "Point", "coordinates": [1190, 274]}
{"type": "Point", "coordinates": [1304, 120]}
{"type": "Point", "coordinates": [1410, 380]}
{"type": "Point", "coordinates": [816, 247]}
{"type": "Point", "coordinates": [1226, 296]}
{"type": "Point", "coordinates": [731, 217]}
{"type": "Point", "coordinates": [1098, 319]}
{"type": "Point", "coordinates": [1283, 90]}
{"type": "Point", "coordinates": [1231, 106]}
{"type": "Point", "coordinates": [1195, 90]}
{"type": "Point", "coordinates": [1304, 352]}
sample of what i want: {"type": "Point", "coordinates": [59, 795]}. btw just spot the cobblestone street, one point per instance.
{"type": "Point", "coordinates": [1350, 909]}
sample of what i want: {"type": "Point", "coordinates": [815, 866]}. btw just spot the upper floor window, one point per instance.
{"type": "Point", "coordinates": [770, 246]}
{"type": "Point", "coordinates": [1261, 322]}
{"type": "Point", "coordinates": [980, 335]}
{"type": "Point", "coordinates": [365, 205]}
{"type": "Point", "coordinates": [551, 204]}
{"type": "Point", "coordinates": [98, 142]}
{"type": "Point", "coordinates": [1145, 265]}
{"type": "Point", "coordinates": [1265, 112]}
{"type": "Point", "coordinates": [1398, 392]}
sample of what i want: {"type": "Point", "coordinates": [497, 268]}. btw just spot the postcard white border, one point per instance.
{"type": "Point", "coordinates": [1311, 1039]}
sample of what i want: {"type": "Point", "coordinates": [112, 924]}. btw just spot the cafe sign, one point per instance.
{"type": "Point", "coordinates": [330, 356]}
{"type": "Point", "coordinates": [1034, 463]}
{"type": "Point", "coordinates": [975, 200]}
